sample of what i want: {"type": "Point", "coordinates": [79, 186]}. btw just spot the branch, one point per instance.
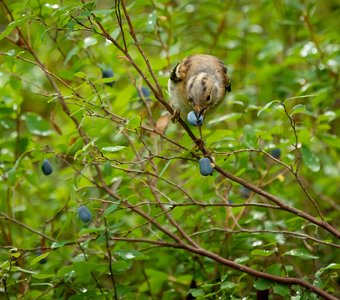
{"type": "Point", "coordinates": [233, 265]}
{"type": "Point", "coordinates": [198, 142]}
{"type": "Point", "coordinates": [27, 227]}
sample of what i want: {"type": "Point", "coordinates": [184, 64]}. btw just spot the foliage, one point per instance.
{"type": "Point", "coordinates": [83, 88]}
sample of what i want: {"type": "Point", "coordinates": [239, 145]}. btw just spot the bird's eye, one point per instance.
{"type": "Point", "coordinates": [190, 100]}
{"type": "Point", "coordinates": [208, 98]}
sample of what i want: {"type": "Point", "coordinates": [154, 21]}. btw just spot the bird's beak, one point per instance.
{"type": "Point", "coordinates": [199, 111]}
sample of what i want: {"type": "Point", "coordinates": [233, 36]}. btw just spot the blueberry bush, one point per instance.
{"type": "Point", "coordinates": [124, 212]}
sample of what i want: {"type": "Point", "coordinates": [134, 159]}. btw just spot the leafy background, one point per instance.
{"type": "Point", "coordinates": [143, 188]}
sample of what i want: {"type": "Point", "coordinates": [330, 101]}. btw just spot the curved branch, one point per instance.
{"type": "Point", "coordinates": [198, 142]}
{"type": "Point", "coordinates": [236, 266]}
{"type": "Point", "coordinates": [27, 227]}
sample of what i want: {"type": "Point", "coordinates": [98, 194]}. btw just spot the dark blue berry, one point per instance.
{"type": "Point", "coordinates": [205, 166]}
{"type": "Point", "coordinates": [193, 120]}
{"type": "Point", "coordinates": [276, 153]}
{"type": "Point", "coordinates": [145, 91]}
{"type": "Point", "coordinates": [46, 167]}
{"type": "Point", "coordinates": [84, 214]}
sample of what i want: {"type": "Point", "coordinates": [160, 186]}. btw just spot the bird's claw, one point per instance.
{"type": "Point", "coordinates": [175, 116]}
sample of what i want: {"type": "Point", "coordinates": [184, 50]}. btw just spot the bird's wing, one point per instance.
{"type": "Point", "coordinates": [180, 72]}
{"type": "Point", "coordinates": [227, 84]}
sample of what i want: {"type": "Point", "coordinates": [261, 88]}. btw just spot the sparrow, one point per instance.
{"type": "Point", "coordinates": [198, 83]}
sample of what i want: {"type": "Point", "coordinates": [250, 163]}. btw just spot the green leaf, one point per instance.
{"type": "Point", "coordinates": [113, 148]}
{"type": "Point", "coordinates": [328, 116]}
{"type": "Point", "coordinates": [65, 270]}
{"type": "Point", "coordinates": [282, 290]}
{"type": "Point", "coordinates": [19, 269]}
{"type": "Point", "coordinates": [295, 223]}
{"type": "Point", "coordinates": [43, 276]}
{"type": "Point", "coordinates": [331, 266]}
{"type": "Point", "coordinates": [167, 164]}
{"type": "Point", "coordinates": [134, 122]}
{"type": "Point", "coordinates": [39, 258]}
{"type": "Point", "coordinates": [302, 253]}
{"type": "Point", "coordinates": [267, 106]}
{"type": "Point", "coordinates": [86, 267]}
{"type": "Point", "coordinates": [70, 54]}
{"type": "Point", "coordinates": [89, 41]}
{"type": "Point", "coordinates": [58, 244]}
{"type": "Point", "coordinates": [91, 230]}
{"type": "Point", "coordinates": [297, 109]}
{"type": "Point", "coordinates": [249, 137]}
{"type": "Point", "coordinates": [89, 6]}
{"type": "Point", "coordinates": [197, 292]}
{"type": "Point", "coordinates": [158, 277]}
{"type": "Point", "coordinates": [110, 209]}
{"type": "Point", "coordinates": [226, 117]}
{"type": "Point", "coordinates": [104, 12]}
{"type": "Point", "coordinates": [120, 265]}
{"type": "Point", "coordinates": [261, 252]}
{"type": "Point", "coordinates": [310, 159]}
{"type": "Point", "coordinates": [286, 102]}
{"type": "Point", "coordinates": [13, 25]}
{"type": "Point", "coordinates": [107, 170]}
{"type": "Point", "coordinates": [228, 285]}
{"type": "Point", "coordinates": [262, 284]}
{"type": "Point", "coordinates": [37, 125]}
{"type": "Point", "coordinates": [131, 255]}
{"type": "Point", "coordinates": [6, 32]}
{"type": "Point", "coordinates": [80, 75]}
{"type": "Point", "coordinates": [274, 269]}
{"type": "Point", "coordinates": [85, 148]}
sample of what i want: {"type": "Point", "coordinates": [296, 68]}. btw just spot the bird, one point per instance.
{"type": "Point", "coordinates": [198, 83]}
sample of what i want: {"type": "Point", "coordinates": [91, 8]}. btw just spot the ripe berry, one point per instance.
{"type": "Point", "coordinates": [84, 214]}
{"type": "Point", "coordinates": [205, 166]}
{"type": "Point", "coordinates": [145, 91]}
{"type": "Point", "coordinates": [46, 167]}
{"type": "Point", "coordinates": [192, 119]}
{"type": "Point", "coordinates": [276, 153]}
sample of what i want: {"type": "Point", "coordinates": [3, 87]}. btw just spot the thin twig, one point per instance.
{"type": "Point", "coordinates": [108, 251]}
{"type": "Point", "coordinates": [296, 146]}
{"type": "Point", "coordinates": [27, 227]}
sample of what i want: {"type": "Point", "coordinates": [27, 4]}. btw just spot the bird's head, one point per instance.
{"type": "Point", "coordinates": [202, 91]}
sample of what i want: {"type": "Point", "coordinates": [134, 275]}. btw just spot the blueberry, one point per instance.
{"type": "Point", "coordinates": [46, 167]}
{"type": "Point", "coordinates": [205, 166]}
{"type": "Point", "coordinates": [192, 119]}
{"type": "Point", "coordinates": [108, 73]}
{"type": "Point", "coordinates": [145, 92]}
{"type": "Point", "coordinates": [84, 214]}
{"type": "Point", "coordinates": [276, 153]}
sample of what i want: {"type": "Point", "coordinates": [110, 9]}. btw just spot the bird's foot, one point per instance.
{"type": "Point", "coordinates": [175, 116]}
